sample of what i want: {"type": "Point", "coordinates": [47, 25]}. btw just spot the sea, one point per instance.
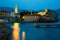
{"type": "Point", "coordinates": [33, 33]}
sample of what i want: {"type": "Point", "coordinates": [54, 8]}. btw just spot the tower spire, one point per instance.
{"type": "Point", "coordinates": [16, 9]}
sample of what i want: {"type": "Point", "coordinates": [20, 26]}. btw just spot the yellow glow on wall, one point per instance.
{"type": "Point", "coordinates": [42, 13]}
{"type": "Point", "coordinates": [16, 31]}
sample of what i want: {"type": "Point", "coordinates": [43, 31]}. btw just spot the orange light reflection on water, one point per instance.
{"type": "Point", "coordinates": [16, 31]}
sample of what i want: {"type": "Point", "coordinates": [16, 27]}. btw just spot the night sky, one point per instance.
{"type": "Point", "coordinates": [31, 4]}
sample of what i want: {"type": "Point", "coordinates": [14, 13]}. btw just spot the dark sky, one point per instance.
{"type": "Point", "coordinates": [31, 4]}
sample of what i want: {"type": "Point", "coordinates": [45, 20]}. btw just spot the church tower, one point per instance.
{"type": "Point", "coordinates": [16, 9]}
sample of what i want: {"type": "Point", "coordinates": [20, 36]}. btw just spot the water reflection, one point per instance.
{"type": "Point", "coordinates": [16, 31]}
{"type": "Point", "coordinates": [32, 33]}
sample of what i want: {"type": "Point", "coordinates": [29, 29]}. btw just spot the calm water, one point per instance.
{"type": "Point", "coordinates": [33, 33]}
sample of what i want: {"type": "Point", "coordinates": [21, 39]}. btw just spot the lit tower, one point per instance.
{"type": "Point", "coordinates": [16, 9]}
{"type": "Point", "coordinates": [16, 28]}
{"type": "Point", "coordinates": [16, 13]}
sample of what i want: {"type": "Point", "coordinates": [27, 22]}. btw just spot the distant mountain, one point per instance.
{"type": "Point", "coordinates": [58, 12]}
{"type": "Point", "coordinates": [9, 9]}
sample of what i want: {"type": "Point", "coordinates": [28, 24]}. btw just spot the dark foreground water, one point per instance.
{"type": "Point", "coordinates": [33, 33]}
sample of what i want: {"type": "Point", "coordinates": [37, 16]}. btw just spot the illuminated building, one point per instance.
{"type": "Point", "coordinates": [45, 16]}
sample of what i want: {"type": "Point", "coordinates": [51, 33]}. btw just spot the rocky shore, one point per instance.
{"type": "Point", "coordinates": [5, 32]}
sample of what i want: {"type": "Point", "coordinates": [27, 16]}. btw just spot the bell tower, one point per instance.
{"type": "Point", "coordinates": [16, 9]}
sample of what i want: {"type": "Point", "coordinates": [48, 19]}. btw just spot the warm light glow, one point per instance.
{"type": "Point", "coordinates": [42, 13]}
{"type": "Point", "coordinates": [16, 9]}
{"type": "Point", "coordinates": [23, 35]}
{"type": "Point", "coordinates": [16, 31]}
{"type": "Point", "coordinates": [23, 17]}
